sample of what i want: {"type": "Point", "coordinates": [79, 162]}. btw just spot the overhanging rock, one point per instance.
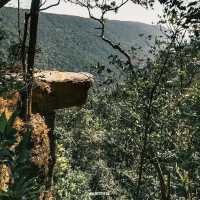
{"type": "Point", "coordinates": [56, 90]}
{"type": "Point", "coordinates": [52, 90]}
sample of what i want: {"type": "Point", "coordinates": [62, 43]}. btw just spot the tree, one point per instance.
{"type": "Point", "coordinates": [147, 132]}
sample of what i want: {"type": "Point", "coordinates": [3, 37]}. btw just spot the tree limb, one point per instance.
{"type": "Point", "coordinates": [50, 6]}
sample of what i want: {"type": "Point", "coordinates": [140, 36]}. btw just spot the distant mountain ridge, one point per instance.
{"type": "Point", "coordinates": [72, 43]}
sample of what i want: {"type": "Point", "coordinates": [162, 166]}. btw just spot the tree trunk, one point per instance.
{"type": "Point", "coordinates": [50, 122]}
{"type": "Point", "coordinates": [34, 15]}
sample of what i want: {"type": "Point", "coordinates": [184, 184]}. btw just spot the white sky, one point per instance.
{"type": "Point", "coordinates": [129, 12]}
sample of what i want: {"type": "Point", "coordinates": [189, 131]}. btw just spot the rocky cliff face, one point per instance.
{"type": "Point", "coordinates": [57, 90]}
{"type": "Point", "coordinates": [52, 90]}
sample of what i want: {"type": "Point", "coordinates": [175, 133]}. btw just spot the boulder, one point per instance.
{"type": "Point", "coordinates": [56, 90]}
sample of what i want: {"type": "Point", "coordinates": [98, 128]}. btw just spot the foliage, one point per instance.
{"type": "Point", "coordinates": [105, 139]}
{"type": "Point", "coordinates": [138, 137]}
{"type": "Point", "coordinates": [8, 81]}
{"type": "Point", "coordinates": [76, 45]}
{"type": "Point", "coordinates": [22, 186]}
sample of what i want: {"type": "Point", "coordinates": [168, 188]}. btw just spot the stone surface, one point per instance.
{"type": "Point", "coordinates": [57, 90]}
{"type": "Point", "coordinates": [40, 150]}
{"type": "Point", "coordinates": [40, 142]}
{"type": "Point", "coordinates": [52, 90]}
{"type": "Point", "coordinates": [5, 177]}
{"type": "Point", "coordinates": [8, 106]}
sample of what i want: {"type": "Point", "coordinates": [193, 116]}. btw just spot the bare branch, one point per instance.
{"type": "Point", "coordinates": [50, 6]}
{"type": "Point", "coordinates": [3, 3]}
{"type": "Point", "coordinates": [43, 3]}
{"type": "Point", "coordinates": [163, 185]}
{"type": "Point", "coordinates": [101, 20]}
{"type": "Point", "coordinates": [18, 20]}
{"type": "Point", "coordinates": [23, 48]}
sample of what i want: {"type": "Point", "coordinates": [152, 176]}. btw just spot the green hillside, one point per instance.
{"type": "Point", "coordinates": [71, 42]}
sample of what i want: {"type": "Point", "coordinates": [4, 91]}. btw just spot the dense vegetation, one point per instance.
{"type": "Point", "coordinates": [65, 41]}
{"type": "Point", "coordinates": [137, 137]}
{"type": "Point", "coordinates": [101, 144]}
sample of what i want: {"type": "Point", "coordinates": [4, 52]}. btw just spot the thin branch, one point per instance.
{"type": "Point", "coordinates": [23, 48]}
{"type": "Point", "coordinates": [3, 3]}
{"type": "Point", "coordinates": [43, 3]}
{"type": "Point", "coordinates": [164, 187]}
{"type": "Point", "coordinates": [18, 21]}
{"type": "Point", "coordinates": [101, 21]}
{"type": "Point", "coordinates": [104, 8]}
{"type": "Point", "coordinates": [50, 6]}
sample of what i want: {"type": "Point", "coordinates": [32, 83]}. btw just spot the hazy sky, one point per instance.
{"type": "Point", "coordinates": [130, 12]}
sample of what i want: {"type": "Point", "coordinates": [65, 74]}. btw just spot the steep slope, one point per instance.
{"type": "Point", "coordinates": [71, 42]}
